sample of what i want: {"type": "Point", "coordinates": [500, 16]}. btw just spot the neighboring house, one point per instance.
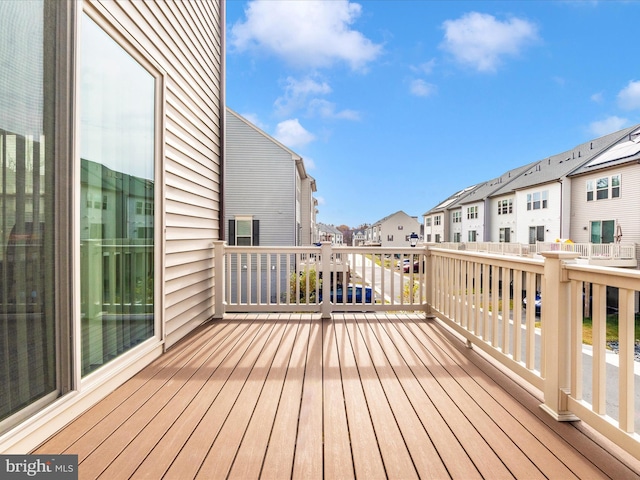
{"type": "Point", "coordinates": [482, 220]}
{"type": "Point", "coordinates": [308, 206]}
{"type": "Point", "coordinates": [329, 233]}
{"type": "Point", "coordinates": [604, 195]}
{"type": "Point", "coordinates": [443, 223]}
{"type": "Point", "coordinates": [358, 238]}
{"type": "Point", "coordinates": [543, 192]}
{"type": "Point", "coordinates": [394, 230]}
{"type": "Point", "coordinates": [111, 141]}
{"type": "Point", "coordinates": [268, 194]}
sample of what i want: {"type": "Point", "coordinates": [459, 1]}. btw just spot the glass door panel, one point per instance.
{"type": "Point", "coordinates": [117, 138]}
{"type": "Point", "coordinates": [27, 311]}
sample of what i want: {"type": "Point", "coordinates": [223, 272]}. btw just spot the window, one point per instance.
{"type": "Point", "coordinates": [245, 231]}
{"type": "Point", "coordinates": [505, 235]}
{"type": "Point", "coordinates": [615, 186]}
{"type": "Point", "coordinates": [400, 227]}
{"type": "Point", "coordinates": [602, 188]}
{"type": "Point", "coordinates": [505, 207]}
{"type": "Point", "coordinates": [457, 217]}
{"type": "Point", "coordinates": [427, 221]}
{"type": "Point", "coordinates": [602, 231]}
{"type": "Point", "coordinates": [437, 238]}
{"type": "Point", "coordinates": [536, 234]}
{"type": "Point", "coordinates": [436, 220]}
{"type": "Point", "coordinates": [117, 151]}
{"type": "Point", "coordinates": [429, 238]}
{"type": "Point", "coordinates": [389, 238]}
{"type": "Point", "coordinates": [605, 187]}
{"type": "Point", "coordinates": [472, 235]}
{"type": "Point", "coordinates": [538, 200]}
{"type": "Point", "coordinates": [457, 237]}
{"type": "Point", "coordinates": [29, 171]}
{"type": "Point", "coordinates": [472, 212]}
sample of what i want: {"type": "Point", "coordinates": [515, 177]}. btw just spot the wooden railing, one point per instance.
{"type": "Point", "coordinates": [624, 251]}
{"type": "Point", "coordinates": [488, 299]}
{"type": "Point", "coordinates": [321, 279]}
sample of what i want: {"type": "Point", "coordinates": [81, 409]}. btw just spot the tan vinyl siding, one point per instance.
{"type": "Point", "coordinates": [623, 209]}
{"type": "Point", "coordinates": [184, 40]}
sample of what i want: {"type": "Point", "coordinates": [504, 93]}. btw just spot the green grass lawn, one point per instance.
{"type": "Point", "coordinates": [612, 329]}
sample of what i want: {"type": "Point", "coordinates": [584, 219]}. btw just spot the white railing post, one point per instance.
{"type": "Point", "coordinates": [428, 279]}
{"type": "Point", "coordinates": [219, 279]}
{"type": "Point", "coordinates": [327, 277]}
{"type": "Point", "coordinates": [556, 340]}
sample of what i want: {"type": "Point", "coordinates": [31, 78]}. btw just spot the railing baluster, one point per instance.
{"type": "Point", "coordinates": [599, 325]}
{"type": "Point", "coordinates": [626, 390]}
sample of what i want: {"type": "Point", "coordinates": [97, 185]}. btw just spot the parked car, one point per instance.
{"type": "Point", "coordinates": [416, 267]}
{"type": "Point", "coordinates": [537, 303]}
{"type": "Point", "coordinates": [405, 262]}
{"type": "Point", "coordinates": [368, 294]}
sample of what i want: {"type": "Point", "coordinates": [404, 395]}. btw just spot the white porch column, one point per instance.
{"type": "Point", "coordinates": [556, 343]}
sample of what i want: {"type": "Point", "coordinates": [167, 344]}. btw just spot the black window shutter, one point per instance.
{"type": "Point", "coordinates": [256, 233]}
{"type": "Point", "coordinates": [232, 232]}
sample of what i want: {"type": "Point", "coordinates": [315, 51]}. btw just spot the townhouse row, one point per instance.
{"type": "Point", "coordinates": [588, 194]}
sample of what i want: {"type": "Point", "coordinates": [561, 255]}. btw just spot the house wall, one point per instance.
{"type": "Point", "coordinates": [624, 210]}
{"type": "Point", "coordinates": [398, 226]}
{"type": "Point", "coordinates": [505, 220]}
{"type": "Point", "coordinates": [307, 209]}
{"type": "Point", "coordinates": [260, 180]}
{"type": "Point", "coordinates": [473, 224]}
{"type": "Point", "coordinates": [548, 217]}
{"type": "Point", "coordinates": [183, 41]}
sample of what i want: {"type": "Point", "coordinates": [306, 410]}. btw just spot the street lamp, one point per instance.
{"type": "Point", "coordinates": [413, 239]}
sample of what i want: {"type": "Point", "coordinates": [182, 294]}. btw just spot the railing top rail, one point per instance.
{"type": "Point", "coordinates": [611, 276]}
{"type": "Point", "coordinates": [499, 260]}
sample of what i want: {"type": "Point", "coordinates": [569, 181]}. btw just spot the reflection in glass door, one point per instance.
{"type": "Point", "coordinates": [117, 138]}
{"type": "Point", "coordinates": [602, 231]}
{"type": "Point", "coordinates": [27, 311]}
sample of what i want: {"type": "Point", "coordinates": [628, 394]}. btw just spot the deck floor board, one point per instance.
{"type": "Point", "coordinates": [355, 396]}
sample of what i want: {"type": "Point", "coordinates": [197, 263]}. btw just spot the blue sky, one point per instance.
{"type": "Point", "coordinates": [396, 105]}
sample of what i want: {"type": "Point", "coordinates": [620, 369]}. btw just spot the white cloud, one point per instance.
{"type": "Point", "coordinates": [597, 97]}
{"type": "Point", "coordinates": [296, 93]}
{"type": "Point", "coordinates": [608, 125]}
{"type": "Point", "coordinates": [420, 88]}
{"type": "Point", "coordinates": [321, 200]}
{"type": "Point", "coordinates": [325, 109]}
{"type": "Point", "coordinates": [425, 68]}
{"type": "Point", "coordinates": [481, 41]}
{"type": "Point", "coordinates": [307, 34]}
{"type": "Point", "coordinates": [292, 134]}
{"type": "Point", "coordinates": [629, 96]}
{"type": "Point", "coordinates": [309, 164]}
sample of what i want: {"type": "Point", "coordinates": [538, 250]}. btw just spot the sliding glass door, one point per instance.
{"type": "Point", "coordinates": [28, 330]}
{"type": "Point", "coordinates": [117, 139]}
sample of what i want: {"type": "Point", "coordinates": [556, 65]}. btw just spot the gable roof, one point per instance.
{"type": "Point", "coordinates": [323, 227]}
{"type": "Point", "coordinates": [452, 200]}
{"type": "Point", "coordinates": [392, 215]}
{"type": "Point", "coordinates": [486, 190]}
{"type": "Point", "coordinates": [560, 165]}
{"type": "Point", "coordinates": [621, 153]}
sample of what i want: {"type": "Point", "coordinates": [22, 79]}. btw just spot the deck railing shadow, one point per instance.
{"type": "Point", "coordinates": [528, 314]}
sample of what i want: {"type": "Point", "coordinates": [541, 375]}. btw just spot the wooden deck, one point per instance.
{"type": "Point", "coordinates": [292, 396]}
